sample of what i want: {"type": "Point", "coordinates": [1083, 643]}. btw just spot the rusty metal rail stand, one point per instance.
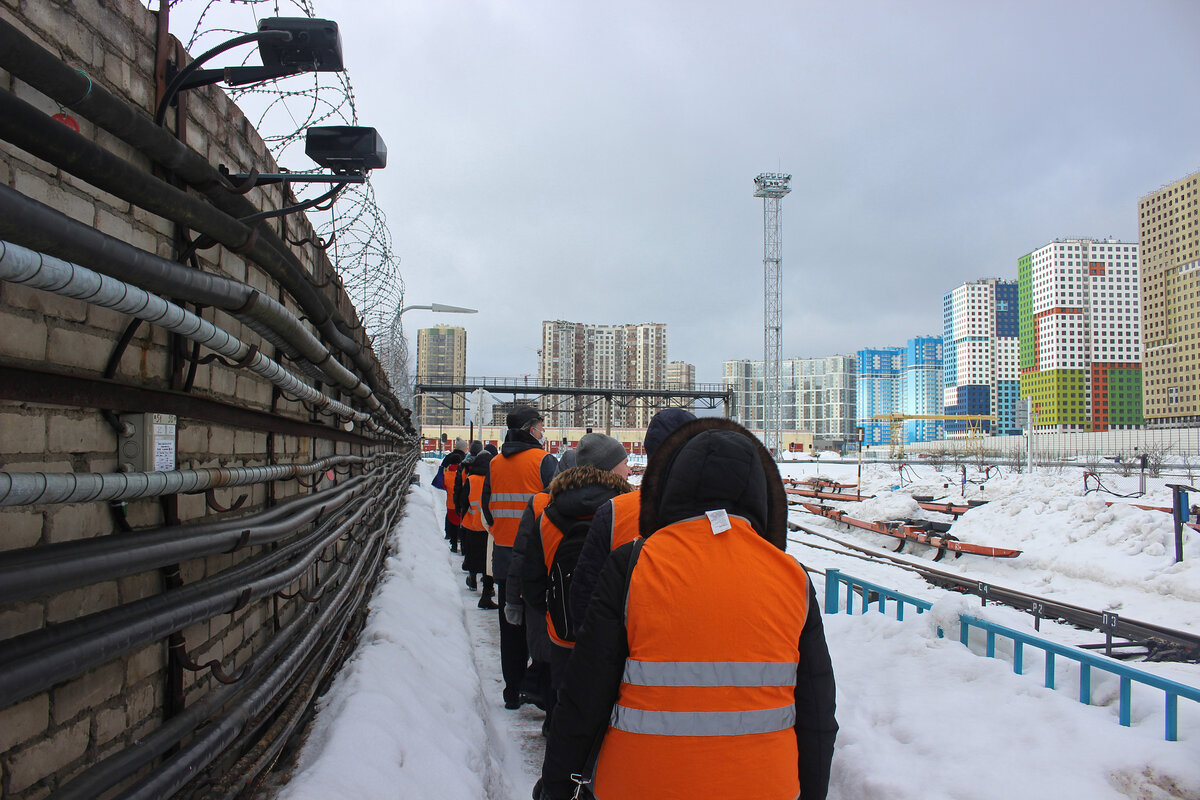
{"type": "Point", "coordinates": [1158, 642]}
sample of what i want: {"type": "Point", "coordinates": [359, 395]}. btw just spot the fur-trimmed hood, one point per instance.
{"type": "Point", "coordinates": [579, 491]}
{"type": "Point", "coordinates": [709, 464]}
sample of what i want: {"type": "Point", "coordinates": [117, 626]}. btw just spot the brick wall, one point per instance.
{"type": "Point", "coordinates": [47, 738]}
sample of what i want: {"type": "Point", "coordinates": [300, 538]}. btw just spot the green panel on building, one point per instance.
{"type": "Point", "coordinates": [1058, 396]}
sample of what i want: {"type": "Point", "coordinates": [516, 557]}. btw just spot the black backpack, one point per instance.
{"type": "Point", "coordinates": [558, 592]}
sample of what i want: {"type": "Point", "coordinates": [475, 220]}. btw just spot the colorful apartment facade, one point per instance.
{"type": "Point", "coordinates": [1169, 239]}
{"type": "Point", "coordinates": [1080, 334]}
{"type": "Point", "coordinates": [981, 354]}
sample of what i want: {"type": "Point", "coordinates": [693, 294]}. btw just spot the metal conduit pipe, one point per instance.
{"type": "Point", "coordinates": [58, 567]}
{"type": "Point", "coordinates": [29, 268]}
{"type": "Point", "coordinates": [33, 131]}
{"type": "Point", "coordinates": [39, 669]}
{"type": "Point", "coordinates": [98, 778]}
{"type": "Point", "coordinates": [34, 488]}
{"type": "Point", "coordinates": [29, 645]}
{"type": "Point", "coordinates": [73, 89]}
{"type": "Point", "coordinates": [35, 222]}
{"type": "Point", "coordinates": [207, 745]}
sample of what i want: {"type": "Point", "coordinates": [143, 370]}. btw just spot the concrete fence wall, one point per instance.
{"type": "Point", "coordinates": [46, 739]}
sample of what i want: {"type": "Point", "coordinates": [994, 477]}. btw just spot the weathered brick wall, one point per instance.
{"type": "Point", "coordinates": [48, 738]}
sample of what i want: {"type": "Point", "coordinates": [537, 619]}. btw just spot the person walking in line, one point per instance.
{"type": "Point", "coordinates": [552, 542]}
{"type": "Point", "coordinates": [445, 480]}
{"type": "Point", "coordinates": [522, 469]}
{"type": "Point", "coordinates": [616, 522]}
{"type": "Point", "coordinates": [702, 659]}
{"type": "Point", "coordinates": [474, 527]}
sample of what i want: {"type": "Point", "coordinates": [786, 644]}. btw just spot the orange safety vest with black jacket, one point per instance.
{"type": "Point", "coordinates": [708, 687]}
{"type": "Point", "coordinates": [615, 523]}
{"type": "Point", "coordinates": [702, 660]}
{"type": "Point", "coordinates": [575, 494]}
{"type": "Point", "coordinates": [473, 516]}
{"type": "Point", "coordinates": [521, 470]}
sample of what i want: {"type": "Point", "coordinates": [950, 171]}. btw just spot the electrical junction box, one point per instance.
{"type": "Point", "coordinates": [147, 443]}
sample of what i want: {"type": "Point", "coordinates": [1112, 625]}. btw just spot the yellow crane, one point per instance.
{"type": "Point", "coordinates": [896, 423]}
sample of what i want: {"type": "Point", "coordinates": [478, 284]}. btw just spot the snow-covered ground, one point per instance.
{"type": "Point", "coordinates": [417, 712]}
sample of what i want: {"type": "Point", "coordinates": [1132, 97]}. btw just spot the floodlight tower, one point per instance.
{"type": "Point", "coordinates": [771, 187]}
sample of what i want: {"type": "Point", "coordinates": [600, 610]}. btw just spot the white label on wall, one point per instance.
{"type": "Point", "coordinates": [164, 455]}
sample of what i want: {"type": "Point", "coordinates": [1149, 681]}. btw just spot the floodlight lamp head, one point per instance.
{"type": "Point", "coordinates": [772, 184]}
{"type": "Point", "coordinates": [315, 44]}
{"type": "Point", "coordinates": [346, 148]}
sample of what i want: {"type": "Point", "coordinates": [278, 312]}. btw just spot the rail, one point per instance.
{"type": "Point", "coordinates": [1172, 690]}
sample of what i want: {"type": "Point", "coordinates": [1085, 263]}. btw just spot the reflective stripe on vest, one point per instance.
{"type": "Point", "coordinates": [706, 705]}
{"type": "Point", "coordinates": [514, 480]}
{"type": "Point", "coordinates": [704, 723]}
{"type": "Point", "coordinates": [626, 508]}
{"type": "Point", "coordinates": [710, 673]}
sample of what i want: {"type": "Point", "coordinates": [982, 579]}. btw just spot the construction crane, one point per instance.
{"type": "Point", "coordinates": [896, 423]}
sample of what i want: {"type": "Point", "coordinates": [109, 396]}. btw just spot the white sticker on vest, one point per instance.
{"type": "Point", "coordinates": [718, 520]}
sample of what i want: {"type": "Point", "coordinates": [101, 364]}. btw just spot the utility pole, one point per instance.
{"type": "Point", "coordinates": [772, 187]}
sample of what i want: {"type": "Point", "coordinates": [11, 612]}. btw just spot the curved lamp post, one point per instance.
{"type": "Point", "coordinates": [439, 308]}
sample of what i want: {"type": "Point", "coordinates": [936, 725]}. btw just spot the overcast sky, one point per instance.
{"type": "Point", "coordinates": [595, 162]}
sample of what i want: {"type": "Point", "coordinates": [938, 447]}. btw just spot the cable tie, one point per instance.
{"type": "Point", "coordinates": [87, 93]}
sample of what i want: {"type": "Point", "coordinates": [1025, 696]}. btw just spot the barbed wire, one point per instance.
{"type": "Point", "coordinates": [281, 111]}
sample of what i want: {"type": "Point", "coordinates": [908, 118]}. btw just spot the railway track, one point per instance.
{"type": "Point", "coordinates": [1146, 640]}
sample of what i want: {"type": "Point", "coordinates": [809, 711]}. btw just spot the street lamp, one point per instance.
{"type": "Point", "coordinates": [438, 308]}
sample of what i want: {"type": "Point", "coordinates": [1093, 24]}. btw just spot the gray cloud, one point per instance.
{"type": "Point", "coordinates": [595, 161]}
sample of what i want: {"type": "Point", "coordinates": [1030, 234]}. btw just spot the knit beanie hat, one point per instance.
{"type": "Point", "coordinates": [600, 451]}
{"type": "Point", "coordinates": [491, 448]}
{"type": "Point", "coordinates": [663, 424]}
{"type": "Point", "coordinates": [523, 417]}
{"type": "Point", "coordinates": [460, 444]}
{"type": "Point", "coordinates": [476, 446]}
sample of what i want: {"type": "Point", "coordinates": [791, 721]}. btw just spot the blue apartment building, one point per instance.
{"type": "Point", "coordinates": [900, 380]}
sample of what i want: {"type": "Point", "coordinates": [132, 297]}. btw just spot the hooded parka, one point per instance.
{"type": "Point", "coordinates": [702, 660]}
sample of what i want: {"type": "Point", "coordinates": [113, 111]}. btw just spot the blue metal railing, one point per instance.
{"type": "Point", "coordinates": [835, 579]}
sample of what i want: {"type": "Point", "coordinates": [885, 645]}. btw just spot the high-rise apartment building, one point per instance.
{"type": "Point", "coordinates": [901, 380]}
{"type": "Point", "coordinates": [1080, 329]}
{"type": "Point", "coordinates": [818, 396]}
{"type": "Point", "coordinates": [681, 375]}
{"type": "Point", "coordinates": [1169, 239]}
{"type": "Point", "coordinates": [980, 356]}
{"type": "Point", "coordinates": [442, 358]}
{"type": "Point", "coordinates": [606, 356]}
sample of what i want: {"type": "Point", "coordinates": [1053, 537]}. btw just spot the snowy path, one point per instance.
{"type": "Point", "coordinates": [417, 712]}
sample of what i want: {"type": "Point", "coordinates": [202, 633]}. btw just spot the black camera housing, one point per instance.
{"type": "Point", "coordinates": [346, 148]}
{"type": "Point", "coordinates": [316, 44]}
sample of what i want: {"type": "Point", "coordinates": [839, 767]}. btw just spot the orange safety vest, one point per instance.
{"type": "Point", "coordinates": [706, 706]}
{"type": "Point", "coordinates": [473, 519]}
{"type": "Point", "coordinates": [514, 481]}
{"type": "Point", "coordinates": [626, 508]}
{"type": "Point", "coordinates": [448, 481]}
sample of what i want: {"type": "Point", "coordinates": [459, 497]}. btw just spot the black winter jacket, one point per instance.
{"type": "Point", "coordinates": [671, 492]}
{"type": "Point", "coordinates": [591, 560]}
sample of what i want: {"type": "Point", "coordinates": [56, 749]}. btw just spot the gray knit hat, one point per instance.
{"type": "Point", "coordinates": [601, 451]}
{"type": "Point", "coordinates": [460, 444]}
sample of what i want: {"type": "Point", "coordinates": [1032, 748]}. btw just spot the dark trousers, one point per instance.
{"type": "Point", "coordinates": [514, 652]}
{"type": "Point", "coordinates": [558, 670]}
{"type": "Point", "coordinates": [451, 532]}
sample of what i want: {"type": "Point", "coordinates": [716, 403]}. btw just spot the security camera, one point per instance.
{"type": "Point", "coordinates": [346, 148]}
